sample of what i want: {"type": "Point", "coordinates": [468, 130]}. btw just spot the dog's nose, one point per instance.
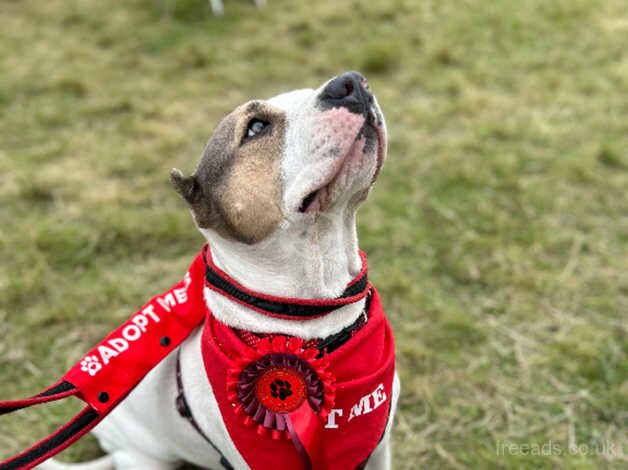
{"type": "Point", "coordinates": [349, 90]}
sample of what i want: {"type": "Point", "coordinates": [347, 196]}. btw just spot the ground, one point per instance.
{"type": "Point", "coordinates": [497, 234]}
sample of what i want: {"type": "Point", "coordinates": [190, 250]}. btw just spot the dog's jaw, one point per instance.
{"type": "Point", "coordinates": [316, 263]}
{"type": "Point", "coordinates": [337, 143]}
{"type": "Point", "coordinates": [322, 197]}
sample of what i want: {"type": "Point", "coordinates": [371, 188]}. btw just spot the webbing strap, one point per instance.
{"type": "Point", "coordinates": [283, 307]}
{"type": "Point", "coordinates": [85, 420]}
{"type": "Point", "coordinates": [56, 392]}
{"type": "Point", "coordinates": [81, 424]}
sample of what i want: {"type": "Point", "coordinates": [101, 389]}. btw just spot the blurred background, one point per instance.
{"type": "Point", "coordinates": [497, 233]}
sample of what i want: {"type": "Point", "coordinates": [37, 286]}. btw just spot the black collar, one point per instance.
{"type": "Point", "coordinates": [283, 307]}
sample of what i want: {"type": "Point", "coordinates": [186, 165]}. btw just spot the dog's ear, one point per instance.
{"type": "Point", "coordinates": [187, 186]}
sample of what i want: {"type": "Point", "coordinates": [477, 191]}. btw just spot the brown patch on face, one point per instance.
{"type": "Point", "coordinates": [236, 189]}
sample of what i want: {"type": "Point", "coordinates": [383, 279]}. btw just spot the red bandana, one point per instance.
{"type": "Point", "coordinates": [356, 400]}
{"type": "Point", "coordinates": [282, 404]}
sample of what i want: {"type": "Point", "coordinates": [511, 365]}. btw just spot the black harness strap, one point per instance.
{"type": "Point", "coordinates": [333, 342]}
{"type": "Point", "coordinates": [184, 410]}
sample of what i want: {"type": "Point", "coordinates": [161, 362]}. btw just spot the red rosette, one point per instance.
{"type": "Point", "coordinates": [274, 379]}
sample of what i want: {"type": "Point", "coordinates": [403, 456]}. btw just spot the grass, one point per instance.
{"type": "Point", "coordinates": [497, 234]}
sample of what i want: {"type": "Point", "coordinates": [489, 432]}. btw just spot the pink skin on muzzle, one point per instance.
{"type": "Point", "coordinates": [334, 138]}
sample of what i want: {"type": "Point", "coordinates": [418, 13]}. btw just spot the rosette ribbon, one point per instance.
{"type": "Point", "coordinates": [285, 391]}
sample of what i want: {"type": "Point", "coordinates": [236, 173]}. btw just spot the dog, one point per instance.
{"type": "Point", "coordinates": [218, 10]}
{"type": "Point", "coordinates": [275, 194]}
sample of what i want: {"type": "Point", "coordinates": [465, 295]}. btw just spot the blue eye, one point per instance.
{"type": "Point", "coordinates": [255, 126]}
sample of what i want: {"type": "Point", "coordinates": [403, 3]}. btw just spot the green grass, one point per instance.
{"type": "Point", "coordinates": [497, 234]}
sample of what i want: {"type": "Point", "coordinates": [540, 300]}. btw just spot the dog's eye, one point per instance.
{"type": "Point", "coordinates": [254, 127]}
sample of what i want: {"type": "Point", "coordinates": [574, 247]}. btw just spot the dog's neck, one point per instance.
{"type": "Point", "coordinates": [313, 260]}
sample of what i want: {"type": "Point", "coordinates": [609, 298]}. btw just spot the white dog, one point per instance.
{"type": "Point", "coordinates": [218, 10]}
{"type": "Point", "coordinates": [275, 194]}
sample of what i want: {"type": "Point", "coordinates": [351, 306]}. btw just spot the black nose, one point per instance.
{"type": "Point", "coordinates": [348, 90]}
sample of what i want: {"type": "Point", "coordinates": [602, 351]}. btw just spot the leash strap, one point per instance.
{"type": "Point", "coordinates": [61, 438]}
{"type": "Point", "coordinates": [112, 369]}
{"type": "Point", "coordinates": [73, 430]}
{"type": "Point", "coordinates": [57, 391]}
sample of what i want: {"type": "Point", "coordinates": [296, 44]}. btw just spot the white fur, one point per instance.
{"type": "Point", "coordinates": [103, 463]}
{"type": "Point", "coordinates": [306, 329]}
{"type": "Point", "coordinates": [311, 255]}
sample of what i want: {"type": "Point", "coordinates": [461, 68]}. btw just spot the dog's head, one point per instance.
{"type": "Point", "coordinates": [287, 160]}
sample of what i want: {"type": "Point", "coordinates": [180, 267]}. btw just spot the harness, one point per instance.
{"type": "Point", "coordinates": [184, 411]}
{"type": "Point", "coordinates": [281, 399]}
{"type": "Point", "coordinates": [328, 344]}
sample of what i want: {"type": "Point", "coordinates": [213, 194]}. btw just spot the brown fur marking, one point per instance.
{"type": "Point", "coordinates": [236, 188]}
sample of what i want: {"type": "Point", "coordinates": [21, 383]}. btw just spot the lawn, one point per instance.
{"type": "Point", "coordinates": [497, 234]}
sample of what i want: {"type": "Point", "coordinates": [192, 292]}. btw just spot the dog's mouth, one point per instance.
{"type": "Point", "coordinates": [371, 133]}
{"type": "Point", "coordinates": [311, 203]}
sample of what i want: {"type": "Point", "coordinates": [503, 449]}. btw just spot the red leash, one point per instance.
{"type": "Point", "coordinates": [61, 438]}
{"type": "Point", "coordinates": [102, 380]}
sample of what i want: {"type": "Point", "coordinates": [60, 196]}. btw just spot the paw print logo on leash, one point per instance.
{"type": "Point", "coordinates": [281, 389]}
{"type": "Point", "coordinates": [91, 365]}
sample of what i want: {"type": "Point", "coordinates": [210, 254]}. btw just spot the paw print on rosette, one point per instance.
{"type": "Point", "coordinates": [281, 389]}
